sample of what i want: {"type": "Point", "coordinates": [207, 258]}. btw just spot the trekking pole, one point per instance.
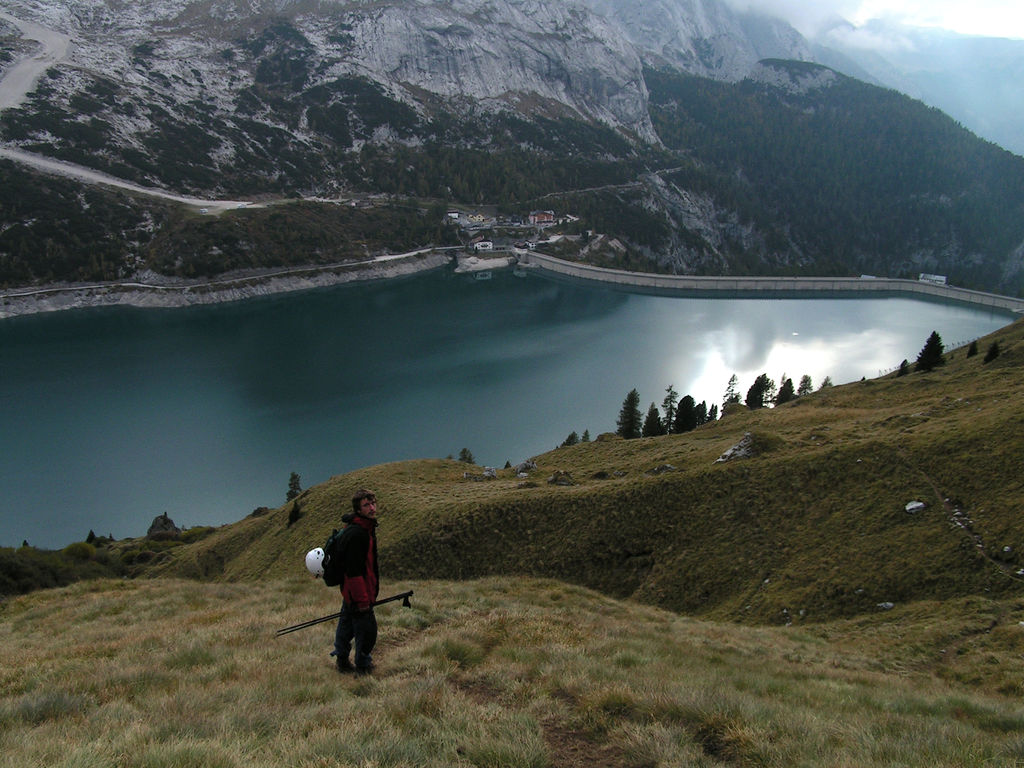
{"type": "Point", "coordinates": [404, 597]}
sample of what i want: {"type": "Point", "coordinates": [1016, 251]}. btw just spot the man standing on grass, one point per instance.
{"type": "Point", "coordinates": [357, 623]}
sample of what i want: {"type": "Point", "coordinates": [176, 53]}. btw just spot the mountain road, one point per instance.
{"type": "Point", "coordinates": [21, 78]}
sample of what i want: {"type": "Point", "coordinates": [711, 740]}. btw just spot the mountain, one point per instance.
{"type": "Point", "coordinates": [702, 37]}
{"type": "Point", "coordinates": [701, 140]}
{"type": "Point", "coordinates": [523, 55]}
{"type": "Point", "coordinates": [973, 79]}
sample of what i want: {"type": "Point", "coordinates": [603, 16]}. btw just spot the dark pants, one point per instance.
{"type": "Point", "coordinates": [359, 627]}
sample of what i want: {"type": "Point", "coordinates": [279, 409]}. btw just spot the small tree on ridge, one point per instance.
{"type": "Point", "coordinates": [786, 391]}
{"type": "Point", "coordinates": [629, 424]}
{"type": "Point", "coordinates": [930, 356]}
{"type": "Point", "coordinates": [668, 406]}
{"type": "Point", "coordinates": [761, 392]}
{"type": "Point", "coordinates": [294, 486]}
{"type": "Point", "coordinates": [652, 424]}
{"type": "Point", "coordinates": [686, 415]}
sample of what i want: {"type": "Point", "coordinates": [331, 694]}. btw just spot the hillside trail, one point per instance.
{"type": "Point", "coordinates": [25, 73]}
{"type": "Point", "coordinates": [568, 746]}
{"type": "Point", "coordinates": [21, 78]}
{"type": "Point", "coordinates": [960, 521]}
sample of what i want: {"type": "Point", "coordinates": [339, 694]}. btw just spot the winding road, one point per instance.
{"type": "Point", "coordinates": [22, 77]}
{"type": "Point", "coordinates": [55, 47]}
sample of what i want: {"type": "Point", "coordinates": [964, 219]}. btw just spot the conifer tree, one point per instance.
{"type": "Point", "coordinates": [668, 408]}
{"type": "Point", "coordinates": [930, 356]}
{"type": "Point", "coordinates": [786, 391]}
{"type": "Point", "coordinates": [294, 487]}
{"type": "Point", "coordinates": [761, 392]}
{"type": "Point", "coordinates": [973, 349]}
{"type": "Point", "coordinates": [652, 423]}
{"type": "Point", "coordinates": [629, 422]}
{"type": "Point", "coordinates": [902, 370]}
{"type": "Point", "coordinates": [806, 386]}
{"type": "Point", "coordinates": [732, 393]}
{"type": "Point", "coordinates": [993, 352]}
{"type": "Point", "coordinates": [700, 411]}
{"type": "Point", "coordinates": [686, 415]}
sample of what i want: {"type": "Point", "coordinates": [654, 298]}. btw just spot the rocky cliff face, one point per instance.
{"type": "Point", "coordinates": [530, 57]}
{"type": "Point", "coordinates": [520, 54]}
{"type": "Point", "coordinates": [512, 102]}
{"type": "Point", "coordinates": [790, 81]}
{"type": "Point", "coordinates": [702, 37]}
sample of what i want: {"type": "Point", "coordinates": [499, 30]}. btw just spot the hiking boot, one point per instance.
{"type": "Point", "coordinates": [343, 664]}
{"type": "Point", "coordinates": [364, 670]}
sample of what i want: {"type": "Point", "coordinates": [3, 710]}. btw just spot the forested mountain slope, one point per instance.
{"type": "Point", "coordinates": [695, 163]}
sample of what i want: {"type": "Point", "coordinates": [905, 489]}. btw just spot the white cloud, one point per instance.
{"type": "Point", "coordinates": [994, 18]}
{"type": "Point", "coordinates": [871, 38]}
{"type": "Point", "coordinates": [807, 16]}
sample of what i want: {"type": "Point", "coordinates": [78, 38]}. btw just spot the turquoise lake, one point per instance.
{"type": "Point", "coordinates": [111, 417]}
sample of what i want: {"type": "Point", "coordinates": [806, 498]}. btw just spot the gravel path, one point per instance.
{"type": "Point", "coordinates": [22, 77]}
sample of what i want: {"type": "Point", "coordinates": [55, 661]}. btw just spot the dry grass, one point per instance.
{"type": "Point", "coordinates": [812, 528]}
{"type": "Point", "coordinates": [499, 672]}
{"type": "Point", "coordinates": [797, 548]}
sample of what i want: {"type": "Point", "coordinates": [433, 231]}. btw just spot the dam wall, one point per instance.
{"type": "Point", "coordinates": [782, 287]}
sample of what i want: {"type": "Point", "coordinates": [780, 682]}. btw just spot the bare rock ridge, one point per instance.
{"type": "Point", "coordinates": [526, 56]}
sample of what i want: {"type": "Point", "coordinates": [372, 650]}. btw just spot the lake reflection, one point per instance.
{"type": "Point", "coordinates": [111, 417]}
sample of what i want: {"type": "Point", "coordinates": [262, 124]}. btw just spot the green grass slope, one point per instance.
{"type": "Point", "coordinates": [810, 528]}
{"type": "Point", "coordinates": [496, 673]}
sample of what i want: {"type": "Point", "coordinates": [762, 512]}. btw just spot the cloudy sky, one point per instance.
{"type": "Point", "coordinates": [995, 18]}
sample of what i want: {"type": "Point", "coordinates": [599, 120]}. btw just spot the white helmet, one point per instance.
{"type": "Point", "coordinates": [315, 562]}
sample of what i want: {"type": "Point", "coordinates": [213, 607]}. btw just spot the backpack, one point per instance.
{"type": "Point", "coordinates": [334, 557]}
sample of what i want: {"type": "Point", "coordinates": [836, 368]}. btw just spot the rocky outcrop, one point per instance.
{"type": "Point", "coordinates": [503, 53]}
{"type": "Point", "coordinates": [561, 477]}
{"type": "Point", "coordinates": [744, 449]}
{"type": "Point", "coordinates": [702, 37]}
{"type": "Point", "coordinates": [575, 57]}
{"type": "Point", "coordinates": [162, 527]}
{"type": "Point", "coordinates": [524, 468]}
{"type": "Point", "coordinates": [792, 79]}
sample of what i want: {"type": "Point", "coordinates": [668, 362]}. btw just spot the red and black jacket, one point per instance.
{"type": "Point", "coordinates": [362, 576]}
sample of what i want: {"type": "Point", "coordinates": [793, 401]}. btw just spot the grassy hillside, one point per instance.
{"type": "Point", "coordinates": [855, 633]}
{"type": "Point", "coordinates": [812, 527]}
{"type": "Point", "coordinates": [502, 673]}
